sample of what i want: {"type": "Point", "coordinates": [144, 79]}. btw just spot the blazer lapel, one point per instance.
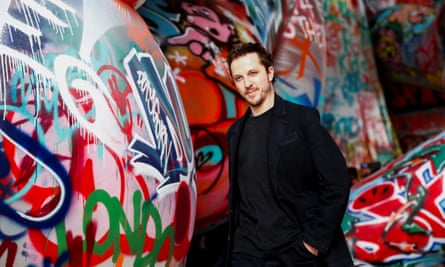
{"type": "Point", "coordinates": [233, 146]}
{"type": "Point", "coordinates": [277, 128]}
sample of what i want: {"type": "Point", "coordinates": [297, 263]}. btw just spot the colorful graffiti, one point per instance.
{"type": "Point", "coordinates": [302, 40]}
{"type": "Point", "coordinates": [96, 157]}
{"type": "Point", "coordinates": [106, 122]}
{"type": "Point", "coordinates": [325, 58]}
{"type": "Point", "coordinates": [354, 104]}
{"type": "Point", "coordinates": [396, 216]}
{"type": "Point", "coordinates": [195, 38]}
{"type": "Point", "coordinates": [409, 41]}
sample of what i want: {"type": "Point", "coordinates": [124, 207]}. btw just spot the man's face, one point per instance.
{"type": "Point", "coordinates": [253, 81]}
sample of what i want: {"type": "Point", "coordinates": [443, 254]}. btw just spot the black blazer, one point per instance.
{"type": "Point", "coordinates": [309, 177]}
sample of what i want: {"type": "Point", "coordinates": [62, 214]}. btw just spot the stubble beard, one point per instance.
{"type": "Point", "coordinates": [259, 97]}
{"type": "Point", "coordinates": [257, 100]}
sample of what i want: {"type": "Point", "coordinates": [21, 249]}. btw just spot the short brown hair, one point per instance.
{"type": "Point", "coordinates": [241, 49]}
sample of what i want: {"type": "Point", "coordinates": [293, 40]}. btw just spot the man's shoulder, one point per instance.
{"type": "Point", "coordinates": [233, 126]}
{"type": "Point", "coordinates": [296, 106]}
{"type": "Point", "coordinates": [299, 112]}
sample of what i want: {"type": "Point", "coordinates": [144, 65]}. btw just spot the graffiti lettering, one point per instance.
{"type": "Point", "coordinates": [136, 233]}
{"type": "Point", "coordinates": [160, 130]}
{"type": "Point", "coordinates": [152, 98]}
{"type": "Point", "coordinates": [304, 20]}
{"type": "Point", "coordinates": [73, 74]}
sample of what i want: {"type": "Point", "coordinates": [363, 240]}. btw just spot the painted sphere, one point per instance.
{"type": "Point", "coordinates": [96, 160]}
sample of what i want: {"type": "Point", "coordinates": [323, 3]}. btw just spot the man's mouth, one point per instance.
{"type": "Point", "coordinates": [251, 92]}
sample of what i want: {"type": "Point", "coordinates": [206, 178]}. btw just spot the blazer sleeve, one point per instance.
{"type": "Point", "coordinates": [334, 184]}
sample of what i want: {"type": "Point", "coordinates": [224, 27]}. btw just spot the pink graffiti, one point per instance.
{"type": "Point", "coordinates": [205, 28]}
{"type": "Point", "coordinates": [207, 20]}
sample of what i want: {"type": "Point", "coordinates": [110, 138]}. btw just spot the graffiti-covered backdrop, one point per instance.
{"type": "Point", "coordinates": [110, 109]}
{"type": "Point", "coordinates": [409, 45]}
{"type": "Point", "coordinates": [96, 160]}
{"type": "Point", "coordinates": [337, 76]}
{"type": "Point", "coordinates": [195, 38]}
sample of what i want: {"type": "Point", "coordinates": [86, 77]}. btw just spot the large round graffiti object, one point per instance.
{"type": "Point", "coordinates": [96, 156]}
{"type": "Point", "coordinates": [395, 216]}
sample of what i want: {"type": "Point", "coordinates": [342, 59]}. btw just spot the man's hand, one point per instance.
{"type": "Point", "coordinates": [310, 248]}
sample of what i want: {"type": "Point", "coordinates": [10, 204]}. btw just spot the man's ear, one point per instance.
{"type": "Point", "coordinates": [271, 73]}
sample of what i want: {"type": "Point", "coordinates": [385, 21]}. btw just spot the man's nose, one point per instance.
{"type": "Point", "coordinates": [247, 82]}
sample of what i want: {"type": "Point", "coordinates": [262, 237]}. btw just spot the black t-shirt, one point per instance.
{"type": "Point", "coordinates": [264, 229]}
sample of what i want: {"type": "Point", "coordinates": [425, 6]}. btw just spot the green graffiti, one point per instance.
{"type": "Point", "coordinates": [136, 234]}
{"type": "Point", "coordinates": [439, 158]}
{"type": "Point", "coordinates": [62, 245]}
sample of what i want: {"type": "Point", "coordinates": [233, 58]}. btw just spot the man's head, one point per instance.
{"type": "Point", "coordinates": [242, 49]}
{"type": "Point", "coordinates": [252, 71]}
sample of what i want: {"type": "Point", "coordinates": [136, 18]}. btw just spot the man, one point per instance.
{"type": "Point", "coordinates": [289, 183]}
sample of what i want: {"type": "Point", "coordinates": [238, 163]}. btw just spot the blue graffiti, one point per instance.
{"type": "Point", "coordinates": [297, 95]}
{"type": "Point", "coordinates": [158, 19]}
{"type": "Point", "coordinates": [45, 158]}
{"type": "Point", "coordinates": [266, 17]}
{"type": "Point", "coordinates": [167, 154]}
{"type": "Point", "coordinates": [4, 163]}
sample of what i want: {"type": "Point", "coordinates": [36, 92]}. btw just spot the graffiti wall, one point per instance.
{"type": "Point", "coordinates": [113, 116]}
{"type": "Point", "coordinates": [396, 216]}
{"type": "Point", "coordinates": [409, 43]}
{"type": "Point", "coordinates": [96, 157]}
{"type": "Point", "coordinates": [299, 55]}
{"type": "Point", "coordinates": [354, 109]}
{"type": "Point", "coordinates": [324, 58]}
{"type": "Point", "coordinates": [195, 38]}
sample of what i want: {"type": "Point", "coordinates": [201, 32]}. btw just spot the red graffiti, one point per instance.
{"type": "Point", "coordinates": [10, 248]}
{"type": "Point", "coordinates": [403, 214]}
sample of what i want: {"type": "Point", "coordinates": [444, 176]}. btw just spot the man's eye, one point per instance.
{"type": "Point", "coordinates": [237, 79]}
